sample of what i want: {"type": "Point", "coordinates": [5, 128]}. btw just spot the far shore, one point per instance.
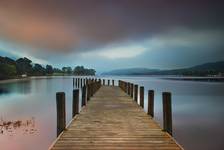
{"type": "Point", "coordinates": [32, 77]}
{"type": "Point", "coordinates": [208, 79]}
{"type": "Point", "coordinates": [181, 78]}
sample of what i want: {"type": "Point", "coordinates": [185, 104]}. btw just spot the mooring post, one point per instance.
{"type": "Point", "coordinates": [88, 91]}
{"type": "Point", "coordinates": [151, 103]}
{"type": "Point", "coordinates": [78, 82]}
{"type": "Point", "coordinates": [84, 95]}
{"type": "Point", "coordinates": [92, 89]}
{"type": "Point", "coordinates": [81, 82]}
{"type": "Point", "coordinates": [61, 116]}
{"type": "Point", "coordinates": [112, 82]}
{"type": "Point", "coordinates": [87, 81]}
{"type": "Point", "coordinates": [108, 82]}
{"type": "Point", "coordinates": [142, 96]}
{"type": "Point", "coordinates": [136, 93]}
{"type": "Point", "coordinates": [128, 88]}
{"type": "Point", "coordinates": [125, 87]}
{"type": "Point", "coordinates": [75, 103]}
{"type": "Point", "coordinates": [122, 86]}
{"type": "Point", "coordinates": [84, 81]}
{"type": "Point", "coordinates": [167, 112]}
{"type": "Point", "coordinates": [73, 82]}
{"type": "Point", "coordinates": [132, 90]}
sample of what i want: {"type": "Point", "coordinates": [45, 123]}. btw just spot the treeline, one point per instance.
{"type": "Point", "coordinates": [10, 68]}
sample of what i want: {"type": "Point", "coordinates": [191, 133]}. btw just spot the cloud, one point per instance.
{"type": "Point", "coordinates": [108, 33]}
{"type": "Point", "coordinates": [82, 25]}
{"type": "Point", "coordinates": [16, 52]}
{"type": "Point", "coordinates": [118, 52]}
{"type": "Point", "coordinates": [182, 48]}
{"type": "Point", "coordinates": [182, 37]}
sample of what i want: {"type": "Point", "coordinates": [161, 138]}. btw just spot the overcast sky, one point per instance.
{"type": "Point", "coordinates": [112, 34]}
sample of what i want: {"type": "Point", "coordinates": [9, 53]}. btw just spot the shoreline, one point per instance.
{"type": "Point", "coordinates": [205, 79]}
{"type": "Point", "coordinates": [14, 79]}
{"type": "Point", "coordinates": [177, 78]}
{"type": "Point", "coordinates": [32, 77]}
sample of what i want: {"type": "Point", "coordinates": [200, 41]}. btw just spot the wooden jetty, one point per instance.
{"type": "Point", "coordinates": [113, 120]}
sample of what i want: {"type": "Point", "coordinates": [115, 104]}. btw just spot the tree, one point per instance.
{"type": "Point", "coordinates": [10, 68]}
{"type": "Point", "coordinates": [10, 61]}
{"type": "Point", "coordinates": [80, 70]}
{"type": "Point", "coordinates": [39, 70]}
{"type": "Point", "coordinates": [67, 70]}
{"type": "Point", "coordinates": [7, 68]}
{"type": "Point", "coordinates": [64, 69]}
{"type": "Point", "coordinates": [49, 69]}
{"type": "Point", "coordinates": [57, 70]}
{"type": "Point", "coordinates": [24, 66]}
{"type": "Point", "coordinates": [7, 71]}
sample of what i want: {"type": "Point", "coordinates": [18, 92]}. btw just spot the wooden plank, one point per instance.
{"type": "Point", "coordinates": [112, 120]}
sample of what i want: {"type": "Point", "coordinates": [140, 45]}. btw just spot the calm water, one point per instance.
{"type": "Point", "coordinates": [28, 111]}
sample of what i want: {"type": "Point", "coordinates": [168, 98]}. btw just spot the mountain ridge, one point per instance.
{"type": "Point", "coordinates": [205, 69]}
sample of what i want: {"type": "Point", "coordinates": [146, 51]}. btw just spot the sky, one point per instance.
{"type": "Point", "coordinates": [113, 34]}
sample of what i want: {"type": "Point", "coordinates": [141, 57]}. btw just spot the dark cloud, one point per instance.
{"type": "Point", "coordinates": [67, 25]}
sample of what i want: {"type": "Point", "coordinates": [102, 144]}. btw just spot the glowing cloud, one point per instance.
{"type": "Point", "coordinates": [117, 52]}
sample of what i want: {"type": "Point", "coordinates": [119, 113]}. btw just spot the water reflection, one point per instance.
{"type": "Point", "coordinates": [20, 87]}
{"type": "Point", "coordinates": [12, 127]}
{"type": "Point", "coordinates": [33, 97]}
{"type": "Point", "coordinates": [3, 91]}
{"type": "Point", "coordinates": [197, 111]}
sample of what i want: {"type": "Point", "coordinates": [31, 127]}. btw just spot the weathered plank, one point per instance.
{"type": "Point", "coordinates": [112, 120]}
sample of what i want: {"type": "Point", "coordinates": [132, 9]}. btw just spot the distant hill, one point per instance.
{"type": "Point", "coordinates": [212, 68]}
{"type": "Point", "coordinates": [131, 71]}
{"type": "Point", "coordinates": [218, 66]}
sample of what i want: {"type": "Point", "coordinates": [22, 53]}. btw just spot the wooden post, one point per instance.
{"type": "Point", "coordinates": [91, 89]}
{"type": "Point", "coordinates": [128, 88]}
{"type": "Point", "coordinates": [75, 103]}
{"type": "Point", "coordinates": [142, 96]}
{"type": "Point", "coordinates": [87, 81]}
{"type": "Point", "coordinates": [103, 81]}
{"type": "Point", "coordinates": [84, 95]}
{"type": "Point", "coordinates": [84, 81]}
{"type": "Point", "coordinates": [88, 91]}
{"type": "Point", "coordinates": [108, 82]}
{"type": "Point", "coordinates": [167, 113]}
{"type": "Point", "coordinates": [132, 90]}
{"type": "Point", "coordinates": [81, 82]}
{"type": "Point", "coordinates": [136, 93]}
{"type": "Point", "coordinates": [61, 122]}
{"type": "Point", "coordinates": [73, 82]}
{"type": "Point", "coordinates": [112, 82]}
{"type": "Point", "coordinates": [151, 103]}
{"type": "Point", "coordinates": [78, 82]}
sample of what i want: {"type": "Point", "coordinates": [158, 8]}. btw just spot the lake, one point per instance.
{"type": "Point", "coordinates": [28, 111]}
